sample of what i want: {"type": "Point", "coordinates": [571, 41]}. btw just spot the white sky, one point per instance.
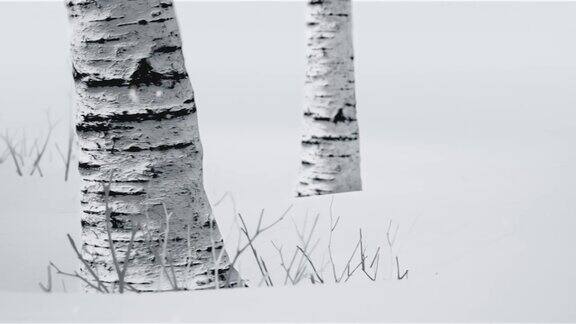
{"type": "Point", "coordinates": [467, 127]}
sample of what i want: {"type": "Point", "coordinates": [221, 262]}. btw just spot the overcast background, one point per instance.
{"type": "Point", "coordinates": [467, 124]}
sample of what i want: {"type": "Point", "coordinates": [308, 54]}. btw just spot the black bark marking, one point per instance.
{"type": "Point", "coordinates": [142, 75]}
{"type": "Point", "coordinates": [339, 156]}
{"type": "Point", "coordinates": [335, 138]}
{"type": "Point", "coordinates": [318, 179]}
{"type": "Point", "coordinates": [77, 76]}
{"type": "Point", "coordinates": [309, 142]}
{"type": "Point", "coordinates": [167, 49]}
{"type": "Point", "coordinates": [317, 140]}
{"type": "Point", "coordinates": [88, 166]}
{"type": "Point", "coordinates": [102, 40]}
{"type": "Point", "coordinates": [209, 224]}
{"type": "Point", "coordinates": [153, 173]}
{"type": "Point", "coordinates": [96, 82]}
{"type": "Point", "coordinates": [115, 193]}
{"type": "Point", "coordinates": [145, 75]}
{"type": "Point", "coordinates": [71, 4]}
{"type": "Point", "coordinates": [114, 222]}
{"type": "Point", "coordinates": [160, 20]}
{"type": "Point", "coordinates": [125, 117]}
{"type": "Point", "coordinates": [112, 213]}
{"type": "Point", "coordinates": [320, 118]}
{"type": "Point", "coordinates": [163, 5]}
{"type": "Point", "coordinates": [164, 147]}
{"type": "Point", "coordinates": [208, 249]}
{"type": "Point", "coordinates": [100, 127]}
{"type": "Point", "coordinates": [116, 181]}
{"type": "Point", "coordinates": [339, 117]}
{"type": "Point", "coordinates": [109, 18]}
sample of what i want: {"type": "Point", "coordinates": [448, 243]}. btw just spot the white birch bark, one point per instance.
{"type": "Point", "coordinates": [330, 147]}
{"type": "Point", "coordinates": [137, 125]}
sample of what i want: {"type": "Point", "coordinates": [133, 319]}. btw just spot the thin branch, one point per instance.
{"type": "Point", "coordinates": [108, 220]}
{"type": "Point", "coordinates": [122, 274]}
{"type": "Point", "coordinates": [76, 275]}
{"type": "Point", "coordinates": [43, 150]}
{"type": "Point", "coordinates": [13, 154]}
{"type": "Point", "coordinates": [48, 287]}
{"type": "Point", "coordinates": [245, 231]}
{"type": "Point", "coordinates": [404, 275]}
{"type": "Point", "coordinates": [251, 239]}
{"type": "Point", "coordinates": [305, 242]}
{"type": "Point", "coordinates": [332, 228]}
{"type": "Point", "coordinates": [86, 265]}
{"type": "Point", "coordinates": [155, 252]}
{"type": "Point", "coordinates": [282, 263]}
{"type": "Point", "coordinates": [311, 264]}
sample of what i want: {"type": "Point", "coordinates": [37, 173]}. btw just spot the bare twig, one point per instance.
{"type": "Point", "coordinates": [391, 240]}
{"type": "Point", "coordinates": [48, 287]}
{"type": "Point", "coordinates": [363, 260]}
{"type": "Point", "coordinates": [332, 228]}
{"type": "Point", "coordinates": [165, 253]}
{"type": "Point", "coordinates": [86, 265]}
{"type": "Point", "coordinates": [13, 154]}
{"type": "Point", "coordinates": [305, 242]}
{"type": "Point", "coordinates": [251, 239]}
{"type": "Point", "coordinates": [155, 252]}
{"type": "Point", "coordinates": [244, 230]}
{"type": "Point", "coordinates": [282, 263]}
{"type": "Point", "coordinates": [311, 264]}
{"type": "Point", "coordinates": [41, 152]}
{"type": "Point", "coordinates": [122, 274]}
{"type": "Point", "coordinates": [37, 167]}
{"type": "Point", "coordinates": [398, 275]}
{"type": "Point", "coordinates": [78, 276]}
{"type": "Point", "coordinates": [69, 152]}
{"type": "Point", "coordinates": [4, 155]}
{"type": "Point", "coordinates": [107, 212]}
{"type": "Point", "coordinates": [66, 159]}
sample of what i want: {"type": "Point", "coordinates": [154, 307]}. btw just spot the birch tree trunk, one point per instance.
{"type": "Point", "coordinates": [330, 148]}
{"type": "Point", "coordinates": [137, 126]}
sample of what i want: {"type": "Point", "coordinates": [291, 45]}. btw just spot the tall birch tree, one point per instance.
{"type": "Point", "coordinates": [330, 147]}
{"type": "Point", "coordinates": [137, 127]}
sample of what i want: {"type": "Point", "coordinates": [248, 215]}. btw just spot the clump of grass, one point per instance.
{"type": "Point", "coordinates": [93, 280]}
{"type": "Point", "coordinates": [11, 148]}
{"type": "Point", "coordinates": [300, 267]}
{"type": "Point", "coordinates": [22, 154]}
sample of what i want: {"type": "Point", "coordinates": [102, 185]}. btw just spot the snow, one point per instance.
{"type": "Point", "coordinates": [410, 301]}
{"type": "Point", "coordinates": [468, 127]}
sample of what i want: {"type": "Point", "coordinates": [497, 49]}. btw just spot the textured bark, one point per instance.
{"type": "Point", "coordinates": [137, 127]}
{"type": "Point", "coordinates": [330, 147]}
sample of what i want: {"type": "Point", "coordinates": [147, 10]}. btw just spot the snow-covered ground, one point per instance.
{"type": "Point", "coordinates": [468, 131]}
